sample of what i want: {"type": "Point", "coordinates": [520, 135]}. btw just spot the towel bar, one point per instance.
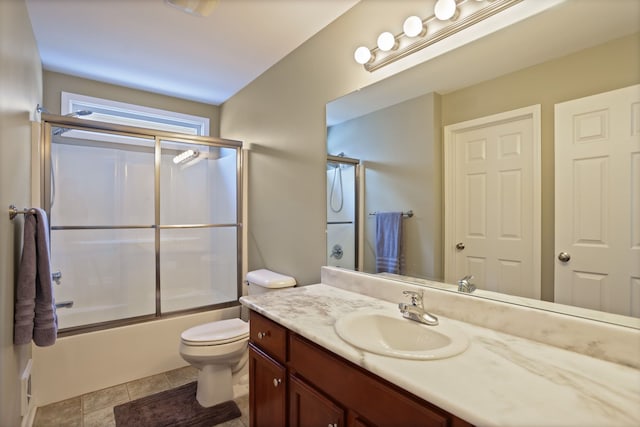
{"type": "Point", "coordinates": [408, 214]}
{"type": "Point", "coordinates": [13, 211]}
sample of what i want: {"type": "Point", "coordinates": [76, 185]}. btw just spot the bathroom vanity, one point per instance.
{"type": "Point", "coordinates": [303, 373]}
{"type": "Point", "coordinates": [298, 383]}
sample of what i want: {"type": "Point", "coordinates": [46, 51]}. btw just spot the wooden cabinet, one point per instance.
{"type": "Point", "coordinates": [267, 390]}
{"type": "Point", "coordinates": [309, 408]}
{"type": "Point", "coordinates": [320, 388]}
{"type": "Point", "coordinates": [269, 336]}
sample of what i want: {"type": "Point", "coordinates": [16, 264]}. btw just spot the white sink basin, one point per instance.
{"type": "Point", "coordinates": [382, 333]}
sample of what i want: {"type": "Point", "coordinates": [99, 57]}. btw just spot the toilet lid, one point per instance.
{"type": "Point", "coordinates": [219, 332]}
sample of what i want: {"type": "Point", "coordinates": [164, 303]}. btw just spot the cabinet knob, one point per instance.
{"type": "Point", "coordinates": [263, 335]}
{"type": "Point", "coordinates": [276, 382]}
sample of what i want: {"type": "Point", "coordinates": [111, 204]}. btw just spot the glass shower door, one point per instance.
{"type": "Point", "coordinates": [102, 233]}
{"type": "Point", "coordinates": [141, 225]}
{"type": "Point", "coordinates": [198, 225]}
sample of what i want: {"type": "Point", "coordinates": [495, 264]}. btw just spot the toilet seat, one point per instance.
{"type": "Point", "coordinates": [216, 333]}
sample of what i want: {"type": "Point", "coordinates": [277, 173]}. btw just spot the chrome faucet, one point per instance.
{"type": "Point", "coordinates": [464, 285]}
{"type": "Point", "coordinates": [415, 311]}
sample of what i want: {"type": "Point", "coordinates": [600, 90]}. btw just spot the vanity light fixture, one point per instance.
{"type": "Point", "coordinates": [185, 156]}
{"type": "Point", "coordinates": [449, 17]}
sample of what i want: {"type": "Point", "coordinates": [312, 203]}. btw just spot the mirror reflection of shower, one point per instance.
{"type": "Point", "coordinates": [342, 186]}
{"type": "Point", "coordinates": [336, 196]}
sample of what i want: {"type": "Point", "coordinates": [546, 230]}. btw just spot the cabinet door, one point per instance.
{"type": "Point", "coordinates": [354, 420]}
{"type": "Point", "coordinates": [267, 390]}
{"type": "Point", "coordinates": [308, 408]}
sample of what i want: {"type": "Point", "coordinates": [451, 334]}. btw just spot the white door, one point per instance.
{"type": "Point", "coordinates": [597, 202]}
{"type": "Point", "coordinates": [492, 202]}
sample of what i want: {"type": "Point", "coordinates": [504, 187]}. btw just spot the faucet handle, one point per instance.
{"type": "Point", "coordinates": [416, 297]}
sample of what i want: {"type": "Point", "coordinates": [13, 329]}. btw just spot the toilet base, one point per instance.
{"type": "Point", "coordinates": [214, 385]}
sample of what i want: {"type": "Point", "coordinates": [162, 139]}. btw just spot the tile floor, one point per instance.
{"type": "Point", "coordinates": [96, 409]}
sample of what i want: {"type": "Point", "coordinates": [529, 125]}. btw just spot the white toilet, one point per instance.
{"type": "Point", "coordinates": [219, 349]}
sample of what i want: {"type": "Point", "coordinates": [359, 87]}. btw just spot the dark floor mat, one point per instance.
{"type": "Point", "coordinates": [177, 407]}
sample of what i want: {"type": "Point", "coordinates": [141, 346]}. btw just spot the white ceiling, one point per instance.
{"type": "Point", "coordinates": [148, 45]}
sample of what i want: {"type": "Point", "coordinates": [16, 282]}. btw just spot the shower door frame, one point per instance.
{"type": "Point", "coordinates": [73, 123]}
{"type": "Point", "coordinates": [356, 217]}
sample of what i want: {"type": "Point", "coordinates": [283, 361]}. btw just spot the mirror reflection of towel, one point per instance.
{"type": "Point", "coordinates": [35, 313]}
{"type": "Point", "coordinates": [388, 242]}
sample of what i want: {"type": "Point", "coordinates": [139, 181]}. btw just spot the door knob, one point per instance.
{"type": "Point", "coordinates": [564, 257]}
{"type": "Point", "coordinates": [460, 246]}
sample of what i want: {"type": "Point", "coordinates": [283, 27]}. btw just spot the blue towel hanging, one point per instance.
{"type": "Point", "coordinates": [389, 242]}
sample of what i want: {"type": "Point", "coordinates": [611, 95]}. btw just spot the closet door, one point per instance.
{"type": "Point", "coordinates": [597, 202]}
{"type": "Point", "coordinates": [492, 202]}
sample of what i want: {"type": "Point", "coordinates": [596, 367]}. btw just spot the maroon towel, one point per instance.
{"type": "Point", "coordinates": [35, 311]}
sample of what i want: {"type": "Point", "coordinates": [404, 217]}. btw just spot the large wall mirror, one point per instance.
{"type": "Point", "coordinates": [398, 129]}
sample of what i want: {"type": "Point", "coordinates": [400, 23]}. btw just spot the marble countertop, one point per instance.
{"type": "Point", "coordinates": [500, 380]}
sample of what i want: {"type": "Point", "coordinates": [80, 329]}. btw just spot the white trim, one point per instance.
{"type": "Point", "coordinates": [533, 111]}
{"type": "Point", "coordinates": [116, 112]}
{"type": "Point", "coordinates": [30, 417]}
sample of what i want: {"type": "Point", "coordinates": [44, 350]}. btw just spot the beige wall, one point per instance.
{"type": "Point", "coordinates": [281, 116]}
{"type": "Point", "coordinates": [401, 150]}
{"type": "Point", "coordinates": [606, 67]}
{"type": "Point", "coordinates": [20, 92]}
{"type": "Point", "coordinates": [55, 83]}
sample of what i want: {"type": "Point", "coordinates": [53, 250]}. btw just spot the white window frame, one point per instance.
{"type": "Point", "coordinates": [122, 113]}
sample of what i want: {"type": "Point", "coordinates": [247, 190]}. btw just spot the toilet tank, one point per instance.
{"type": "Point", "coordinates": [261, 281]}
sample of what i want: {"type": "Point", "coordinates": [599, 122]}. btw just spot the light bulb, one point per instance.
{"type": "Point", "coordinates": [362, 55]}
{"type": "Point", "coordinates": [386, 41]}
{"type": "Point", "coordinates": [413, 26]}
{"type": "Point", "coordinates": [445, 9]}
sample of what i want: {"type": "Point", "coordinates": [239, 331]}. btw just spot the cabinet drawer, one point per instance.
{"type": "Point", "coordinates": [269, 336]}
{"type": "Point", "coordinates": [371, 397]}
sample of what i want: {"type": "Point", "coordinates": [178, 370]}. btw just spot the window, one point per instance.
{"type": "Point", "coordinates": [121, 113]}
